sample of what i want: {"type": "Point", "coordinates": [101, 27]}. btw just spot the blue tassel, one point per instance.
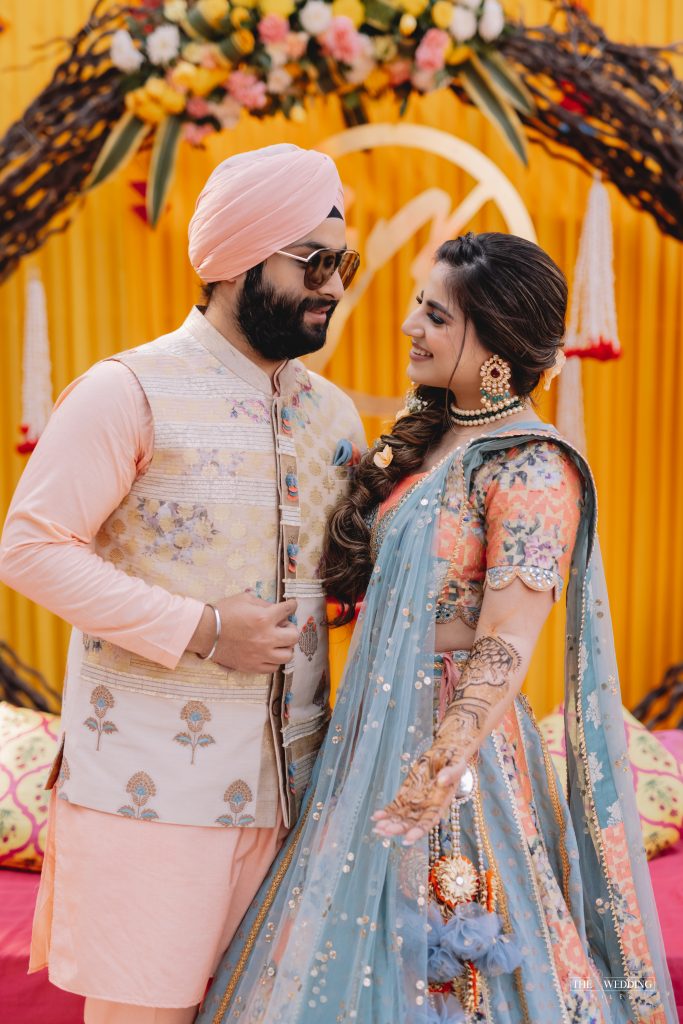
{"type": "Point", "coordinates": [502, 957]}
{"type": "Point", "coordinates": [470, 931]}
{"type": "Point", "coordinates": [442, 964]}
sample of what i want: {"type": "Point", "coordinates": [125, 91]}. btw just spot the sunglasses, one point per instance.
{"type": "Point", "coordinates": [322, 264]}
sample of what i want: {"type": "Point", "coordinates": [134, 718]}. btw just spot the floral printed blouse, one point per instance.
{"type": "Point", "coordinates": [519, 521]}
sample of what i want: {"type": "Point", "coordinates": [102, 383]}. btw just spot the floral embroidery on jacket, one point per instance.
{"type": "Point", "coordinates": [255, 409]}
{"type": "Point", "coordinates": [140, 787]}
{"type": "Point", "coordinates": [196, 714]}
{"type": "Point", "coordinates": [308, 638]}
{"type": "Point", "coordinates": [102, 700]}
{"type": "Point", "coordinates": [237, 795]}
{"type": "Point", "coordinates": [175, 530]}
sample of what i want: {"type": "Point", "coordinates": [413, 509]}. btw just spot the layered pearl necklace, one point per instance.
{"type": "Point", "coordinates": [471, 417]}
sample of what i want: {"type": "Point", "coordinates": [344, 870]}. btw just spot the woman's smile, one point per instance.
{"type": "Point", "coordinates": [419, 354]}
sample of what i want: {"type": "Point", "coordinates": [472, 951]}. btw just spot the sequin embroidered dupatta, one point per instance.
{"type": "Point", "coordinates": [622, 926]}
{"type": "Point", "coordinates": [339, 929]}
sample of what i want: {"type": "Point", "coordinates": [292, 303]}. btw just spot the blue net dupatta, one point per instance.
{"type": "Point", "coordinates": [339, 929]}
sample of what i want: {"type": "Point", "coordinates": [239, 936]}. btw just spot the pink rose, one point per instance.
{"type": "Point", "coordinates": [399, 71]}
{"type": "Point", "coordinates": [273, 28]}
{"type": "Point", "coordinates": [341, 40]}
{"type": "Point", "coordinates": [247, 89]}
{"type": "Point", "coordinates": [296, 44]}
{"type": "Point", "coordinates": [197, 107]}
{"type": "Point", "coordinates": [424, 80]}
{"type": "Point", "coordinates": [431, 53]}
{"type": "Point", "coordinates": [196, 133]}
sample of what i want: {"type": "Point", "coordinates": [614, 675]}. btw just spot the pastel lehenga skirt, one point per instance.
{"type": "Point", "coordinates": [140, 912]}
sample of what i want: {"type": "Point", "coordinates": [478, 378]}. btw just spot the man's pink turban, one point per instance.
{"type": "Point", "coordinates": [256, 203]}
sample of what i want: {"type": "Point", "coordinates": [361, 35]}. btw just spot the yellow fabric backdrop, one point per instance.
{"type": "Point", "coordinates": [112, 283]}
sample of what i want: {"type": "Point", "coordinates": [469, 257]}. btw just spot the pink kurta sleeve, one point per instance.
{"type": "Point", "coordinates": [99, 438]}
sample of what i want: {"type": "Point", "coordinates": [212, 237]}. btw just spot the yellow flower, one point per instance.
{"type": "Point", "coordinates": [458, 54]}
{"type": "Point", "coordinates": [175, 10]}
{"type": "Point", "coordinates": [239, 16]}
{"type": "Point", "coordinates": [383, 458]}
{"type": "Point", "coordinates": [442, 13]}
{"type": "Point", "coordinates": [169, 99]}
{"type": "Point", "coordinates": [377, 81]}
{"type": "Point", "coordinates": [407, 25]}
{"type": "Point", "coordinates": [281, 7]}
{"type": "Point", "coordinates": [353, 9]}
{"type": "Point", "coordinates": [297, 114]}
{"type": "Point", "coordinates": [197, 53]}
{"type": "Point", "coordinates": [244, 41]}
{"type": "Point", "coordinates": [139, 103]}
{"type": "Point", "coordinates": [414, 7]}
{"type": "Point", "coordinates": [212, 11]}
{"type": "Point", "coordinates": [198, 81]}
{"type": "Point", "coordinates": [385, 48]}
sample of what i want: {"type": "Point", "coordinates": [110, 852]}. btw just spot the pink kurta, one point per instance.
{"type": "Point", "coordinates": [74, 480]}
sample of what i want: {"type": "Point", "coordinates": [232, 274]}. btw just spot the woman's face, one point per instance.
{"type": "Point", "coordinates": [436, 328]}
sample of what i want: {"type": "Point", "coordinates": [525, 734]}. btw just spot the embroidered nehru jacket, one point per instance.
{"type": "Point", "coordinates": [235, 497]}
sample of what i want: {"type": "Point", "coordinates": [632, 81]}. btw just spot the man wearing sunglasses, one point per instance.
{"type": "Point", "coordinates": [174, 512]}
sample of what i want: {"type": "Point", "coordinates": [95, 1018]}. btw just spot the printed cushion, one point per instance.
{"type": "Point", "coordinates": [29, 741]}
{"type": "Point", "coordinates": [657, 777]}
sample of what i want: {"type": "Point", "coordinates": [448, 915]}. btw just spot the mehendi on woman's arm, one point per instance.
{"type": "Point", "coordinates": [486, 680]}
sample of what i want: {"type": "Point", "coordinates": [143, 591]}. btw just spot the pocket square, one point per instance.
{"type": "Point", "coordinates": [346, 454]}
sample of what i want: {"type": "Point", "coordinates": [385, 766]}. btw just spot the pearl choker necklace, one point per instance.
{"type": "Point", "coordinates": [471, 417]}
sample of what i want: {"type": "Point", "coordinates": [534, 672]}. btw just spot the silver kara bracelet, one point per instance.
{"type": "Point", "coordinates": [206, 657]}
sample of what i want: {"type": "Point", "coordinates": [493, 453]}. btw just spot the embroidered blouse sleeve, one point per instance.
{"type": "Point", "coordinates": [99, 438]}
{"type": "Point", "coordinates": [531, 498]}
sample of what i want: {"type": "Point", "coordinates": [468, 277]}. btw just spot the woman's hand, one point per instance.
{"type": "Point", "coordinates": [424, 797]}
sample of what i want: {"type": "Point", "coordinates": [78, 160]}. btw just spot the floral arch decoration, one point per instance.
{"type": "Point", "coordinates": [153, 73]}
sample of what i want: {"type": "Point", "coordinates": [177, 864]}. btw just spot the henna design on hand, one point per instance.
{"type": "Point", "coordinates": [484, 683]}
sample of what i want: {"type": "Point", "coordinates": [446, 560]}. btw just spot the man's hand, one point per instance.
{"type": "Point", "coordinates": [256, 635]}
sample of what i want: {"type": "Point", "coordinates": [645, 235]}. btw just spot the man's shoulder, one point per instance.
{"type": "Point", "coordinates": [176, 344]}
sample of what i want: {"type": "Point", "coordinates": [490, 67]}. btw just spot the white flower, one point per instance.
{"type": "Point", "coordinates": [463, 24]}
{"type": "Point", "coordinates": [227, 112]}
{"type": "Point", "coordinates": [124, 53]}
{"type": "Point", "coordinates": [471, 5]}
{"type": "Point", "coordinates": [163, 44]}
{"type": "Point", "coordinates": [492, 21]}
{"type": "Point", "coordinates": [277, 53]}
{"type": "Point", "coordinates": [278, 81]}
{"type": "Point", "coordinates": [175, 10]}
{"type": "Point", "coordinates": [315, 17]}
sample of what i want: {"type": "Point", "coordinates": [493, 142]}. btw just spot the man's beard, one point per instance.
{"type": "Point", "coordinates": [273, 322]}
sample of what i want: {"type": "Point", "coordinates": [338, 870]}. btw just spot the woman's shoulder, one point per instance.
{"type": "Point", "coordinates": [531, 464]}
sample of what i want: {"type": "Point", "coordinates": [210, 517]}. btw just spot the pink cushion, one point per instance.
{"type": "Point", "coordinates": [666, 872]}
{"type": "Point", "coordinates": [26, 999]}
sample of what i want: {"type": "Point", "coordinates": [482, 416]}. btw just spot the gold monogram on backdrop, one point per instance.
{"type": "Point", "coordinates": [434, 210]}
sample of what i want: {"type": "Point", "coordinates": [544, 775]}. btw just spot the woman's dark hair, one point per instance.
{"type": "Point", "coordinates": [515, 296]}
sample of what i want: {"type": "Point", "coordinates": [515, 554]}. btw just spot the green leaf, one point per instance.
{"type": "Point", "coordinates": [200, 25]}
{"type": "Point", "coordinates": [508, 82]}
{"type": "Point", "coordinates": [162, 166]}
{"type": "Point", "coordinates": [124, 139]}
{"type": "Point", "coordinates": [482, 92]}
{"type": "Point", "coordinates": [380, 15]}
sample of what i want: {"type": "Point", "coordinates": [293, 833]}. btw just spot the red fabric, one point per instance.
{"type": "Point", "coordinates": [666, 872]}
{"type": "Point", "coordinates": [25, 999]}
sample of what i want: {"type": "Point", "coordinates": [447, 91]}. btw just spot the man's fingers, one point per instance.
{"type": "Point", "coordinates": [283, 610]}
